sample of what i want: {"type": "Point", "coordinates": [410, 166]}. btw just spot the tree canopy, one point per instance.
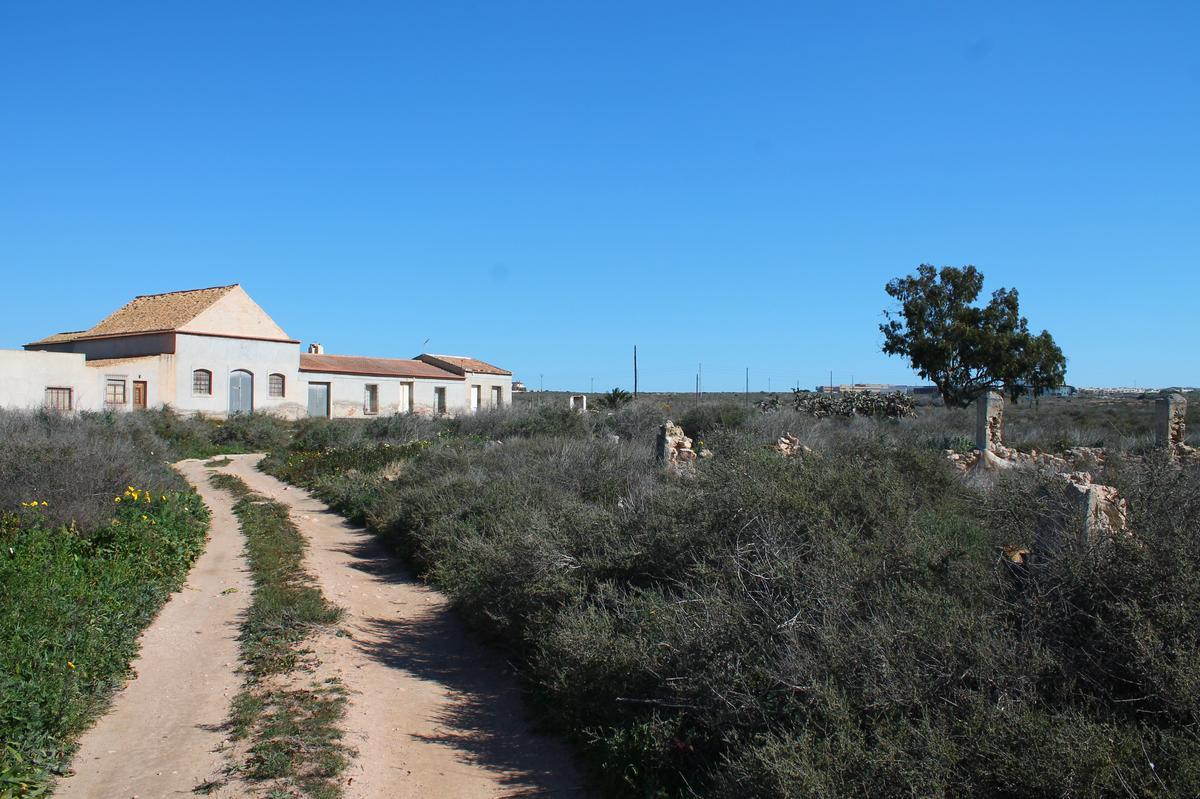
{"type": "Point", "coordinates": [964, 348]}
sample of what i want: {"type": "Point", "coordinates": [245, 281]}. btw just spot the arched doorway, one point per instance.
{"type": "Point", "coordinates": [241, 392]}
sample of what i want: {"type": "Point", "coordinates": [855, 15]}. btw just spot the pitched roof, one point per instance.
{"type": "Point", "coordinates": [460, 364]}
{"type": "Point", "coordinates": [148, 313]}
{"type": "Point", "coordinates": [373, 367]}
{"type": "Point", "coordinates": [152, 313]}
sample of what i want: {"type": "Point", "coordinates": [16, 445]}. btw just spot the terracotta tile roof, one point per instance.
{"type": "Point", "coordinates": [62, 338]}
{"type": "Point", "coordinates": [460, 364]}
{"type": "Point", "coordinates": [148, 313]}
{"type": "Point", "coordinates": [374, 367]}
{"type": "Point", "coordinates": [152, 313]}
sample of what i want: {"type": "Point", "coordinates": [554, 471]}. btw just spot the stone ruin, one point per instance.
{"type": "Point", "coordinates": [1088, 514]}
{"type": "Point", "coordinates": [1170, 427]}
{"type": "Point", "coordinates": [989, 422]}
{"type": "Point", "coordinates": [577, 403]}
{"type": "Point", "coordinates": [789, 446]}
{"type": "Point", "coordinates": [990, 453]}
{"type": "Point", "coordinates": [673, 449]}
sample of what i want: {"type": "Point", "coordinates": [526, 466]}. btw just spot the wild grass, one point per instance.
{"type": "Point", "coordinates": [294, 736]}
{"type": "Point", "coordinates": [837, 624]}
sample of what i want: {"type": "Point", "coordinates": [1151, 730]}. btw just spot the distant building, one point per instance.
{"type": "Point", "coordinates": [215, 351]}
{"type": "Point", "coordinates": [876, 388]}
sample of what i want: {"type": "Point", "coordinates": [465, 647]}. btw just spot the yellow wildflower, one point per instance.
{"type": "Point", "coordinates": [69, 663]}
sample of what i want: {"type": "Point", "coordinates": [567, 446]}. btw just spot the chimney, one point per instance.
{"type": "Point", "coordinates": [315, 349]}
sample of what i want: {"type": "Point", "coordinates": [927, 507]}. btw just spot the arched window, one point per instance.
{"type": "Point", "coordinates": [275, 385]}
{"type": "Point", "coordinates": [202, 382]}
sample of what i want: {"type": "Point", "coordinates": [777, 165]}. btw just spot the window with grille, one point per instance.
{"type": "Point", "coordinates": [202, 381]}
{"type": "Point", "coordinates": [275, 385]}
{"type": "Point", "coordinates": [58, 399]}
{"type": "Point", "coordinates": [371, 400]}
{"type": "Point", "coordinates": [114, 391]}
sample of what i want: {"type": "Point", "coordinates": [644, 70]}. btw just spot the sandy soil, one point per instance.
{"type": "Point", "coordinates": [432, 713]}
{"type": "Point", "coordinates": [162, 735]}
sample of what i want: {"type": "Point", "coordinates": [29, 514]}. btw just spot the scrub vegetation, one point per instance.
{"type": "Point", "coordinates": [835, 624]}
{"type": "Point", "coordinates": [95, 533]}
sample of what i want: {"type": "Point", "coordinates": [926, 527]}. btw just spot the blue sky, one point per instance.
{"type": "Point", "coordinates": [544, 185]}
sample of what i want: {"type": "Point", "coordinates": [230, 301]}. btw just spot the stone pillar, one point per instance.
{"type": "Point", "coordinates": [1170, 411]}
{"type": "Point", "coordinates": [989, 421]}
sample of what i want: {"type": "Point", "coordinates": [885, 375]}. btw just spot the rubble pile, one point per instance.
{"type": "Point", "coordinates": [789, 446]}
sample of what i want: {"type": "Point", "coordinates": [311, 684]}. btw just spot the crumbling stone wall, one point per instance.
{"type": "Point", "coordinates": [1089, 516]}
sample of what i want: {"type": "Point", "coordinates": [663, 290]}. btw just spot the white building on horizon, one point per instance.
{"type": "Point", "coordinates": [215, 351]}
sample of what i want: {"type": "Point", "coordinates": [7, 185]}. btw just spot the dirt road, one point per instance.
{"type": "Point", "coordinates": [432, 714]}
{"type": "Point", "coordinates": [162, 735]}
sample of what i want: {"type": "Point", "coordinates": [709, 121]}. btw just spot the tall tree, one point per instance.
{"type": "Point", "coordinates": [962, 348]}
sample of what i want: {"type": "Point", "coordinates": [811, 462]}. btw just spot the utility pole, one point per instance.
{"type": "Point", "coordinates": [830, 381]}
{"type": "Point", "coordinates": [700, 376]}
{"type": "Point", "coordinates": [541, 382]}
{"type": "Point", "coordinates": [635, 372]}
{"type": "Point", "coordinates": [592, 390]}
{"type": "Point", "coordinates": [747, 384]}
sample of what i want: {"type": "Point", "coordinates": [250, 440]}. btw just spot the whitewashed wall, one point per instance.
{"type": "Point", "coordinates": [221, 356]}
{"type": "Point", "coordinates": [486, 383]}
{"type": "Point", "coordinates": [348, 393]}
{"type": "Point", "coordinates": [25, 376]}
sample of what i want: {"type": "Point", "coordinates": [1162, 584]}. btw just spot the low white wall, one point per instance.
{"type": "Point", "coordinates": [486, 384]}
{"type": "Point", "coordinates": [25, 376]}
{"type": "Point", "coordinates": [347, 393]}
{"type": "Point", "coordinates": [153, 370]}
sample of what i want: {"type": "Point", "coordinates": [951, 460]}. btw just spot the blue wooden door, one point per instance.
{"type": "Point", "coordinates": [241, 392]}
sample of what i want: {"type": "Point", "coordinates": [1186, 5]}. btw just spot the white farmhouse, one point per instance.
{"type": "Point", "coordinates": [215, 351]}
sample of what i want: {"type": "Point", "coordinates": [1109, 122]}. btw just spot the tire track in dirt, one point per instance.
{"type": "Point", "coordinates": [163, 734]}
{"type": "Point", "coordinates": [432, 713]}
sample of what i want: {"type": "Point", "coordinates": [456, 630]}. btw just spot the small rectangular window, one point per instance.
{"type": "Point", "coordinates": [114, 391]}
{"type": "Point", "coordinates": [275, 385]}
{"type": "Point", "coordinates": [371, 400]}
{"type": "Point", "coordinates": [439, 399]}
{"type": "Point", "coordinates": [58, 399]}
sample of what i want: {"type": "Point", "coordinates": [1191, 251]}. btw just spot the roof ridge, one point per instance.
{"type": "Point", "coordinates": [184, 291]}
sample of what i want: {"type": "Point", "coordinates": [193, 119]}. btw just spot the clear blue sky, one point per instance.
{"type": "Point", "coordinates": [544, 185]}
